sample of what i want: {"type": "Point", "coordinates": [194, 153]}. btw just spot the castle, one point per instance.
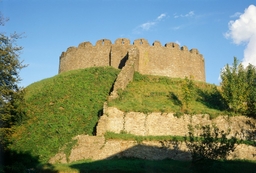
{"type": "Point", "coordinates": [169, 60]}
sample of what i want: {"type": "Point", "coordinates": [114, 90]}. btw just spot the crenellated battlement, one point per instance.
{"type": "Point", "coordinates": [169, 60]}
{"type": "Point", "coordinates": [122, 41]}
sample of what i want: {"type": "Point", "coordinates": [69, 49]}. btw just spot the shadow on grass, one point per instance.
{"type": "Point", "coordinates": [164, 166]}
{"type": "Point", "coordinates": [17, 162]}
{"type": "Point", "coordinates": [130, 165]}
{"type": "Point", "coordinates": [175, 99]}
{"type": "Point", "coordinates": [140, 159]}
{"type": "Point", "coordinates": [212, 99]}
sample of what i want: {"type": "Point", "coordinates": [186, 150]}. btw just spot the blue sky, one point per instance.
{"type": "Point", "coordinates": [219, 29]}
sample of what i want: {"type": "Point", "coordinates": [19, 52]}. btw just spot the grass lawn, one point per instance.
{"type": "Point", "coordinates": [165, 166]}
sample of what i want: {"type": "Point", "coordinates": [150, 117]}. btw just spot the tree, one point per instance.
{"type": "Point", "coordinates": [188, 92]}
{"type": "Point", "coordinates": [2, 19]}
{"type": "Point", "coordinates": [11, 98]}
{"type": "Point", "coordinates": [251, 90]}
{"type": "Point", "coordinates": [211, 144]}
{"type": "Point", "coordinates": [234, 86]}
{"type": "Point", "coordinates": [239, 87]}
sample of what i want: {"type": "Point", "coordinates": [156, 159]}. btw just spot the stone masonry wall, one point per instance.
{"type": "Point", "coordinates": [168, 60]}
{"type": "Point", "coordinates": [86, 55]}
{"type": "Point", "coordinates": [161, 124]}
{"type": "Point", "coordinates": [114, 120]}
{"type": "Point", "coordinates": [98, 148]}
{"type": "Point", "coordinates": [119, 53]}
{"type": "Point", "coordinates": [127, 72]}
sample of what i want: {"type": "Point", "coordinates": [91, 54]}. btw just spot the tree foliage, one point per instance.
{"type": "Point", "coordinates": [238, 87]}
{"type": "Point", "coordinates": [188, 92]}
{"type": "Point", "coordinates": [251, 98]}
{"type": "Point", "coordinates": [210, 144]}
{"type": "Point", "coordinates": [11, 98]}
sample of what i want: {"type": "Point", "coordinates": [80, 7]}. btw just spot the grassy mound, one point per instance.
{"type": "Point", "coordinates": [68, 104]}
{"type": "Point", "coordinates": [162, 94]}
{"type": "Point", "coordinates": [60, 108]}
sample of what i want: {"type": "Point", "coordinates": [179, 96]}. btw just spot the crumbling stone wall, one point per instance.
{"type": "Point", "coordinates": [168, 60]}
{"type": "Point", "coordinates": [162, 124]}
{"type": "Point", "coordinates": [127, 72]}
{"type": "Point", "coordinates": [98, 148]}
{"type": "Point", "coordinates": [119, 52]}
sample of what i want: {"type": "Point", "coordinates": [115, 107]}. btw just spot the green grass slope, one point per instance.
{"type": "Point", "coordinates": [162, 94]}
{"type": "Point", "coordinates": [60, 108]}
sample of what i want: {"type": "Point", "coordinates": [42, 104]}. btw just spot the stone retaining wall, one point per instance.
{"type": "Point", "coordinates": [114, 120]}
{"type": "Point", "coordinates": [161, 124]}
{"type": "Point", "coordinates": [97, 148]}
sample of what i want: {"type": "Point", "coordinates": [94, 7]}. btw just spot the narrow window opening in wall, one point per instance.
{"type": "Point", "coordinates": [173, 45]}
{"type": "Point", "coordinates": [141, 42]}
{"type": "Point", "coordinates": [103, 42]}
{"type": "Point", "coordinates": [122, 42]}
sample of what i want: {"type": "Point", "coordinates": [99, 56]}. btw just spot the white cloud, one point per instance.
{"type": "Point", "coordinates": [237, 14]}
{"type": "Point", "coordinates": [176, 27]}
{"type": "Point", "coordinates": [177, 42]}
{"type": "Point", "coordinates": [189, 14]}
{"type": "Point", "coordinates": [243, 30]}
{"type": "Point", "coordinates": [161, 16]}
{"type": "Point", "coordinates": [147, 26]}
{"type": "Point", "coordinates": [250, 52]}
{"type": "Point", "coordinates": [175, 15]}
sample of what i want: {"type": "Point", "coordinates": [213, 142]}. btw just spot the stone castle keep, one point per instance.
{"type": "Point", "coordinates": [168, 60]}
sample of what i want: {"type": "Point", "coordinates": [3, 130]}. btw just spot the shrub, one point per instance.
{"type": "Point", "coordinates": [211, 144]}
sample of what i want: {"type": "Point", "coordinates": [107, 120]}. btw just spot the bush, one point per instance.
{"type": "Point", "coordinates": [211, 144]}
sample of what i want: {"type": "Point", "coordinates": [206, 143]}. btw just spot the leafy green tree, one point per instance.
{"type": "Point", "coordinates": [11, 98]}
{"type": "Point", "coordinates": [211, 144]}
{"type": "Point", "coordinates": [188, 92]}
{"type": "Point", "coordinates": [251, 90]}
{"type": "Point", "coordinates": [239, 88]}
{"type": "Point", "coordinates": [234, 86]}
